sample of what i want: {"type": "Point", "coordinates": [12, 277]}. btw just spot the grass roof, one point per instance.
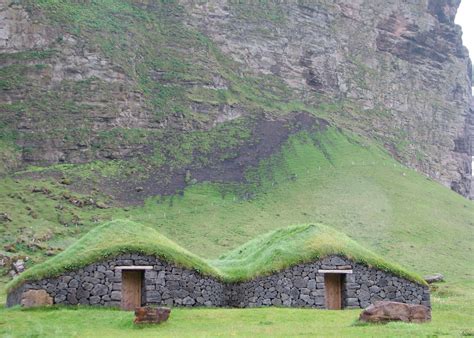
{"type": "Point", "coordinates": [282, 248]}
{"type": "Point", "coordinates": [263, 255]}
{"type": "Point", "coordinates": [112, 239]}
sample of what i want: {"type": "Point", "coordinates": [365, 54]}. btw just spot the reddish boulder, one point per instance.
{"type": "Point", "coordinates": [386, 311]}
{"type": "Point", "coordinates": [32, 298]}
{"type": "Point", "coordinates": [151, 315]}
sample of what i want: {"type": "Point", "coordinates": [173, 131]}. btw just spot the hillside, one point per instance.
{"type": "Point", "coordinates": [325, 177]}
{"type": "Point", "coordinates": [217, 123]}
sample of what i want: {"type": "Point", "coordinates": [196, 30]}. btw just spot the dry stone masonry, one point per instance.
{"type": "Point", "coordinates": [302, 285]}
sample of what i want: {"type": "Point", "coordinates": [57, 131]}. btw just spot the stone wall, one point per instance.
{"type": "Point", "coordinates": [168, 284]}
{"type": "Point", "coordinates": [101, 284]}
{"type": "Point", "coordinates": [303, 286]}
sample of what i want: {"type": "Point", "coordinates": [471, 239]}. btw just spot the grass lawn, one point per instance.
{"type": "Point", "coordinates": [453, 314]}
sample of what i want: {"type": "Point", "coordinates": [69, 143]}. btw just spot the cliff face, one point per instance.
{"type": "Point", "coordinates": [82, 81]}
{"type": "Point", "coordinates": [399, 67]}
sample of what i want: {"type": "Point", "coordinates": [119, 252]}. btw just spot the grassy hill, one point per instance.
{"type": "Point", "coordinates": [328, 177]}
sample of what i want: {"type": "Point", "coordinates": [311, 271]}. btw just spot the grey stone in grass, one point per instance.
{"type": "Point", "coordinates": [434, 278]}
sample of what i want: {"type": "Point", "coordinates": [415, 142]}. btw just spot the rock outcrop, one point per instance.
{"type": "Point", "coordinates": [151, 315]}
{"type": "Point", "coordinates": [400, 64]}
{"type": "Point", "coordinates": [434, 278]}
{"type": "Point", "coordinates": [74, 92]}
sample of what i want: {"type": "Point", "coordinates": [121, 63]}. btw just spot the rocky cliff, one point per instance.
{"type": "Point", "coordinates": [198, 90]}
{"type": "Point", "coordinates": [398, 67]}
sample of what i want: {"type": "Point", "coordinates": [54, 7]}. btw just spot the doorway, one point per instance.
{"type": "Point", "coordinates": [131, 289]}
{"type": "Point", "coordinates": [333, 295]}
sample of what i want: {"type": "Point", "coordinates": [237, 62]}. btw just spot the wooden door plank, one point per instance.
{"type": "Point", "coordinates": [131, 290]}
{"type": "Point", "coordinates": [333, 285]}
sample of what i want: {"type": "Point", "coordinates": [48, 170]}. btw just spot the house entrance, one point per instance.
{"type": "Point", "coordinates": [131, 289]}
{"type": "Point", "coordinates": [333, 285]}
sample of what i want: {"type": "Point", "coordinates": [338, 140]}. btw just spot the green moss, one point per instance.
{"type": "Point", "coordinates": [28, 55]}
{"type": "Point", "coordinates": [258, 11]}
{"type": "Point", "coordinates": [111, 239]}
{"type": "Point", "coordinates": [264, 255]}
{"type": "Point", "coordinates": [13, 76]}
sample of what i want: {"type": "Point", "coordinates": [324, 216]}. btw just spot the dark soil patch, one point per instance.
{"type": "Point", "coordinates": [268, 135]}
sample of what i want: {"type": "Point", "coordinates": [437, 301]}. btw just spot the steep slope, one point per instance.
{"type": "Point", "coordinates": [400, 66]}
{"type": "Point", "coordinates": [85, 81]}
{"type": "Point", "coordinates": [137, 110]}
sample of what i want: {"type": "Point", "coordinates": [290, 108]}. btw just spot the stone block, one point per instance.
{"type": "Point", "coordinates": [59, 299]}
{"type": "Point", "coordinates": [33, 298]}
{"type": "Point", "coordinates": [87, 286]}
{"type": "Point", "coordinates": [188, 301]}
{"type": "Point", "coordinates": [72, 299]}
{"type": "Point", "coordinates": [352, 302]}
{"type": "Point", "coordinates": [99, 290]}
{"type": "Point", "coordinates": [149, 315]}
{"type": "Point", "coordinates": [116, 295]}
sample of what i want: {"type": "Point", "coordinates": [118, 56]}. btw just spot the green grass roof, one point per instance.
{"type": "Point", "coordinates": [111, 239]}
{"type": "Point", "coordinates": [263, 255]}
{"type": "Point", "coordinates": [282, 248]}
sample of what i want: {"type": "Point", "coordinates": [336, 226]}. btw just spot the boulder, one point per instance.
{"type": "Point", "coordinates": [386, 311]}
{"type": "Point", "coordinates": [151, 315]}
{"type": "Point", "coordinates": [434, 278]}
{"type": "Point", "coordinates": [4, 217]}
{"type": "Point", "coordinates": [19, 266]}
{"type": "Point", "coordinates": [33, 298]}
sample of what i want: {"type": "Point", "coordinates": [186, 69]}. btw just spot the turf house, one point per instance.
{"type": "Point", "coordinates": [126, 265]}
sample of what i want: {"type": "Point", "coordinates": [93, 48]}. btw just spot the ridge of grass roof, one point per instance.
{"type": "Point", "coordinates": [285, 247]}
{"type": "Point", "coordinates": [264, 255]}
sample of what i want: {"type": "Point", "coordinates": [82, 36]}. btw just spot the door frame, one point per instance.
{"type": "Point", "coordinates": [341, 281]}
{"type": "Point", "coordinates": [139, 284]}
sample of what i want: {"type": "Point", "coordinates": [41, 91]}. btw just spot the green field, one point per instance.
{"type": "Point", "coordinates": [347, 183]}
{"type": "Point", "coordinates": [452, 317]}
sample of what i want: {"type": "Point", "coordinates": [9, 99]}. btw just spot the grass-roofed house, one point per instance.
{"type": "Point", "coordinates": [126, 264]}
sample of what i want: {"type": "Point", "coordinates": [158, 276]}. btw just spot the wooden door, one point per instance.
{"type": "Point", "coordinates": [131, 290]}
{"type": "Point", "coordinates": [333, 285]}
